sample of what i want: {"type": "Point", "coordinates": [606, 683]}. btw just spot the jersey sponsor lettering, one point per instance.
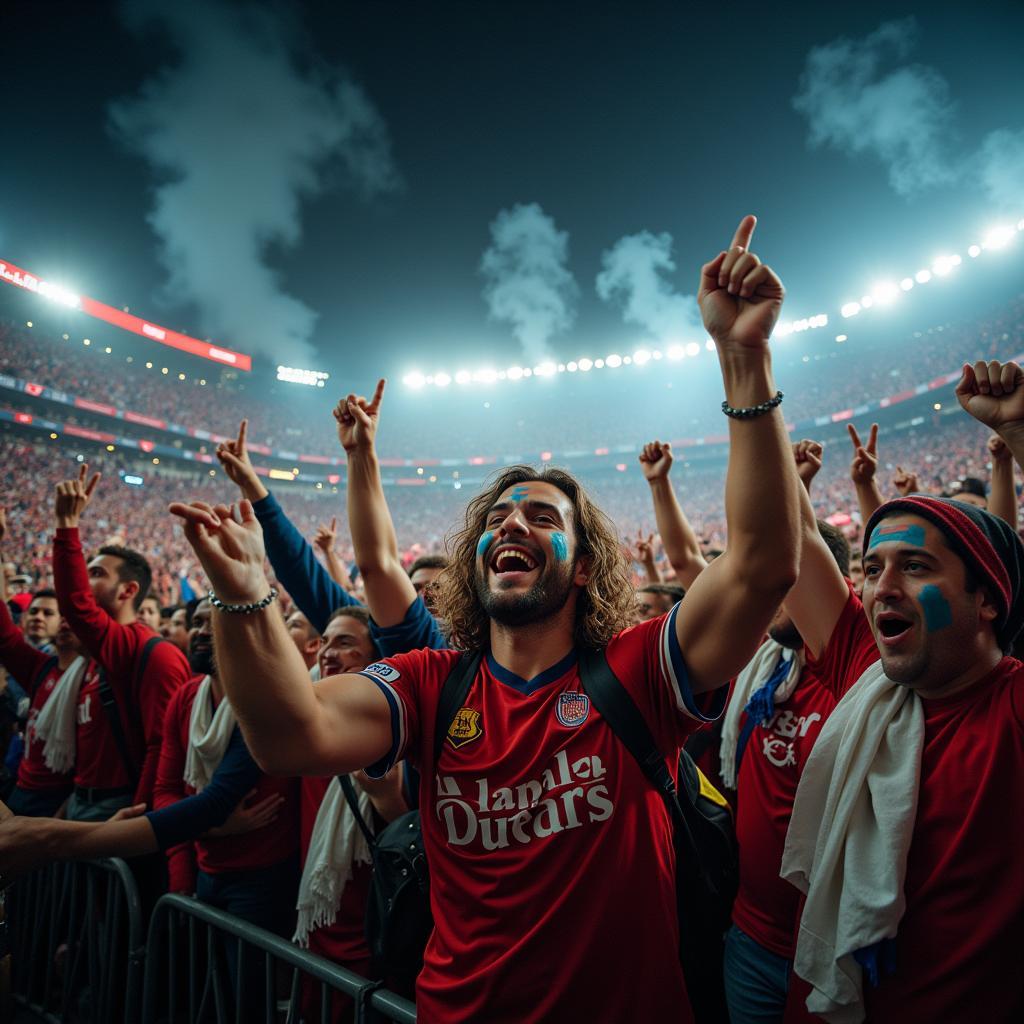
{"type": "Point", "coordinates": [84, 712]}
{"type": "Point", "coordinates": [783, 726]}
{"type": "Point", "coordinates": [568, 795]}
{"type": "Point", "coordinates": [386, 672]}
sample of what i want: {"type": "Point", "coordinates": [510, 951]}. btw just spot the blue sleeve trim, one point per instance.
{"type": "Point", "coordinates": [380, 768]}
{"type": "Point", "coordinates": [675, 671]}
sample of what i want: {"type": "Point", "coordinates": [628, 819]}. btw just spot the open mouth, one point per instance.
{"type": "Point", "coordinates": [511, 561]}
{"type": "Point", "coordinates": [892, 627]}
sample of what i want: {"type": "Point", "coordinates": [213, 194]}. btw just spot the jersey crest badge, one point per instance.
{"type": "Point", "coordinates": [465, 728]}
{"type": "Point", "coordinates": [382, 671]}
{"type": "Point", "coordinates": [572, 709]}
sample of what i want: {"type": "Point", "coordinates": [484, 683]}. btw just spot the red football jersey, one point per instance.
{"type": "Point", "coordinates": [766, 906]}
{"type": "Point", "coordinates": [958, 944]}
{"type": "Point", "coordinates": [551, 858]}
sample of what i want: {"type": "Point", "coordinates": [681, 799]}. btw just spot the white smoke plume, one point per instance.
{"type": "Point", "coordinates": [633, 274]}
{"type": "Point", "coordinates": [527, 283]}
{"type": "Point", "coordinates": [239, 130]}
{"type": "Point", "coordinates": [902, 116]}
{"type": "Point", "coordinates": [1001, 167]}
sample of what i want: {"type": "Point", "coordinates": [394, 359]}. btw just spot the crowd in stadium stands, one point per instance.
{"type": "Point", "coordinates": [474, 660]}
{"type": "Point", "coordinates": [500, 420]}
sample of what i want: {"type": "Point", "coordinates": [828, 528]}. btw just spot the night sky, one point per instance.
{"type": "Point", "coordinates": [614, 118]}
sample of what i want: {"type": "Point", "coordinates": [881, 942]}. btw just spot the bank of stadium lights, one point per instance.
{"type": "Point", "coordinates": [295, 375]}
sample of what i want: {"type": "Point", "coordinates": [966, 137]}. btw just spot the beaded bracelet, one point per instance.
{"type": "Point", "coordinates": [752, 410]}
{"type": "Point", "coordinates": [242, 609]}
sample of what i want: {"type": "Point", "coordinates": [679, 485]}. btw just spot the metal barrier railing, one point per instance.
{"type": "Point", "coordinates": [77, 942]}
{"type": "Point", "coordinates": [235, 971]}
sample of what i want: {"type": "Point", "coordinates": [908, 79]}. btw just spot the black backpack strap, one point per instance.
{"type": "Point", "coordinates": [625, 719]}
{"type": "Point", "coordinates": [37, 680]}
{"type": "Point", "coordinates": [352, 799]}
{"type": "Point", "coordinates": [453, 693]}
{"type": "Point", "coordinates": [109, 703]}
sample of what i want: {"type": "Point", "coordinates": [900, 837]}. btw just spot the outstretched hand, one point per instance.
{"type": "Point", "coordinates": [865, 456]}
{"type": "Point", "coordinates": [234, 457]}
{"type": "Point", "coordinates": [740, 297]}
{"type": "Point", "coordinates": [643, 549]}
{"type": "Point", "coordinates": [905, 481]}
{"type": "Point", "coordinates": [73, 496]}
{"type": "Point", "coordinates": [656, 460]}
{"type": "Point", "coordinates": [357, 419]}
{"type": "Point", "coordinates": [993, 393]}
{"type": "Point", "coordinates": [230, 549]}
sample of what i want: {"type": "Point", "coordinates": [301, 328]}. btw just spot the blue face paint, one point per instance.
{"type": "Point", "coordinates": [937, 613]}
{"type": "Point", "coordinates": [560, 546]}
{"type": "Point", "coordinates": [518, 493]}
{"type": "Point", "coordinates": [485, 543]}
{"type": "Point", "coordinates": [910, 534]}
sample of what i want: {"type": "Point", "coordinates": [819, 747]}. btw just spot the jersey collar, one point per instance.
{"type": "Point", "coordinates": [528, 686]}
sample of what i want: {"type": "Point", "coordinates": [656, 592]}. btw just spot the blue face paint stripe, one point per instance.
{"type": "Point", "coordinates": [560, 546]}
{"type": "Point", "coordinates": [910, 534]}
{"type": "Point", "coordinates": [518, 493]}
{"type": "Point", "coordinates": [485, 543]}
{"type": "Point", "coordinates": [937, 613]}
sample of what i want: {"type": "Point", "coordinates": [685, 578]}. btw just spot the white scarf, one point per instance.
{"type": "Point", "coordinates": [56, 723]}
{"type": "Point", "coordinates": [208, 736]}
{"type": "Point", "coordinates": [336, 844]}
{"type": "Point", "coordinates": [849, 835]}
{"type": "Point", "coordinates": [759, 670]}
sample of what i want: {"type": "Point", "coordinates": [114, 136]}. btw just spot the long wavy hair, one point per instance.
{"type": "Point", "coordinates": [603, 609]}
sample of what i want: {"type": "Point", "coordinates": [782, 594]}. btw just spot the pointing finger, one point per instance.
{"type": "Point", "coordinates": [243, 428]}
{"type": "Point", "coordinates": [854, 436]}
{"type": "Point", "coordinates": [744, 232]}
{"type": "Point", "coordinates": [92, 484]}
{"type": "Point", "coordinates": [334, 523]}
{"type": "Point", "coordinates": [378, 394]}
{"type": "Point", "coordinates": [873, 439]}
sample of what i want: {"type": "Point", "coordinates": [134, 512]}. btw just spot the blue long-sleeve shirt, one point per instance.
{"type": "Point", "coordinates": [295, 564]}
{"type": "Point", "coordinates": [188, 819]}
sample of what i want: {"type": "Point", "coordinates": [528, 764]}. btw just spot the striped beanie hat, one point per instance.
{"type": "Point", "coordinates": [989, 547]}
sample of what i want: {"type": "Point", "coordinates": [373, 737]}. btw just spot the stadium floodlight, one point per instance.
{"type": "Point", "coordinates": [561, 367]}
{"type": "Point", "coordinates": [885, 292]}
{"type": "Point", "coordinates": [598, 364]}
{"type": "Point", "coordinates": [867, 301]}
{"type": "Point", "coordinates": [840, 338]}
{"type": "Point", "coordinates": [943, 265]}
{"type": "Point", "coordinates": [614, 360]}
{"type": "Point", "coordinates": [709, 345]}
{"type": "Point", "coordinates": [676, 352]}
{"type": "Point", "coordinates": [463, 376]}
{"type": "Point", "coordinates": [515, 373]}
{"type": "Point", "coordinates": [641, 356]}
{"type": "Point", "coordinates": [850, 309]}
{"type": "Point", "coordinates": [488, 375]}
{"type": "Point", "coordinates": [545, 369]}
{"type": "Point", "coordinates": [973, 251]}
{"type": "Point", "coordinates": [999, 237]}
{"type": "Point", "coordinates": [572, 366]}
{"type": "Point", "coordinates": [907, 283]}
{"type": "Point", "coordinates": [692, 348]}
{"type": "Point", "coordinates": [585, 364]}
{"type": "Point", "coordinates": [414, 380]}
{"type": "Point", "coordinates": [527, 372]}
{"type": "Point", "coordinates": [442, 380]}
{"type": "Point", "coordinates": [923, 276]}
{"type": "Point", "coordinates": [627, 360]}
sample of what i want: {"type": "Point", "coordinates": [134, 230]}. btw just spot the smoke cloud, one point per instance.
{"type": "Point", "coordinates": [527, 283]}
{"type": "Point", "coordinates": [1002, 168]}
{"type": "Point", "coordinates": [902, 116]}
{"type": "Point", "coordinates": [239, 131]}
{"type": "Point", "coordinates": [633, 275]}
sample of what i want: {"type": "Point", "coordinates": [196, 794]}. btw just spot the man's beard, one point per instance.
{"type": "Point", "coordinates": [200, 660]}
{"type": "Point", "coordinates": [545, 598]}
{"type": "Point", "coordinates": [787, 635]}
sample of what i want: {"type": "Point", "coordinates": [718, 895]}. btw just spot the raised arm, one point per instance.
{"type": "Point", "coordinates": [820, 593]}
{"type": "Point", "coordinates": [993, 393]}
{"type": "Point", "coordinates": [677, 537]}
{"type": "Point", "coordinates": [862, 471]}
{"type": "Point", "coordinates": [1002, 499]}
{"type": "Point", "coordinates": [324, 541]}
{"type": "Point", "coordinates": [724, 615]}
{"type": "Point", "coordinates": [292, 557]}
{"type": "Point", "coordinates": [291, 727]}
{"type": "Point", "coordinates": [389, 591]}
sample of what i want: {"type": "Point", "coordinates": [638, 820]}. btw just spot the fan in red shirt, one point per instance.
{"type": "Point", "coordinates": [551, 858]}
{"type": "Point", "coordinates": [943, 603]}
{"type": "Point", "coordinates": [39, 790]}
{"type": "Point", "coordinates": [100, 602]}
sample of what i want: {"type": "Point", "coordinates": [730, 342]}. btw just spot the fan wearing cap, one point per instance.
{"type": "Point", "coordinates": [942, 604]}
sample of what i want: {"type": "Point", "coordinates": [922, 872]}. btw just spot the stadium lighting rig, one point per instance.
{"type": "Point", "coordinates": [294, 375]}
{"type": "Point", "coordinates": [881, 295]}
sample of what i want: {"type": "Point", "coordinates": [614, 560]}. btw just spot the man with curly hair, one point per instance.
{"type": "Point", "coordinates": [551, 857]}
